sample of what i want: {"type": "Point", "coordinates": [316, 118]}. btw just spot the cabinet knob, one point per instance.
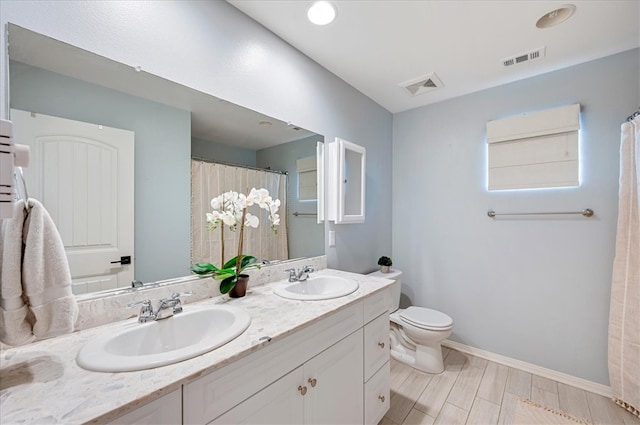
{"type": "Point", "coordinates": [381, 344]}
{"type": "Point", "coordinates": [381, 397]}
{"type": "Point", "coordinates": [313, 382]}
{"type": "Point", "coordinates": [303, 390]}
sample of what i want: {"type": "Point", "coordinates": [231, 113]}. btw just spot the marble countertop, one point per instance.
{"type": "Point", "coordinates": [41, 382]}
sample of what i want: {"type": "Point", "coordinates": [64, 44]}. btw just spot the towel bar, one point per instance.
{"type": "Point", "coordinates": [588, 212]}
{"type": "Point", "coordinates": [299, 213]}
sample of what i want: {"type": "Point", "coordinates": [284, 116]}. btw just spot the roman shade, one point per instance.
{"type": "Point", "coordinates": [536, 150]}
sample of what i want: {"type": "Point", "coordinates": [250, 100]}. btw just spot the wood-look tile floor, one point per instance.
{"type": "Point", "coordinates": [472, 390]}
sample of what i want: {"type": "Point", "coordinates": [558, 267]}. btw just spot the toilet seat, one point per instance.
{"type": "Point", "coordinates": [425, 318]}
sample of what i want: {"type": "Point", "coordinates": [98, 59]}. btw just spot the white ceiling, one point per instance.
{"type": "Point", "coordinates": [374, 45]}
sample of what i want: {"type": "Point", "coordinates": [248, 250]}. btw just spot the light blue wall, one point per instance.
{"type": "Point", "coordinates": [222, 153]}
{"type": "Point", "coordinates": [162, 166]}
{"type": "Point", "coordinates": [214, 48]}
{"type": "Point", "coordinates": [306, 236]}
{"type": "Point", "coordinates": [534, 288]}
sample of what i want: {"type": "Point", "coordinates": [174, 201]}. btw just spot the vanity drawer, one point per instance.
{"type": "Point", "coordinates": [166, 410]}
{"type": "Point", "coordinates": [376, 304]}
{"type": "Point", "coordinates": [376, 345]}
{"type": "Point", "coordinates": [377, 395]}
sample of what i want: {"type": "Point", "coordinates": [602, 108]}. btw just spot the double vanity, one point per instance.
{"type": "Point", "coordinates": [293, 361]}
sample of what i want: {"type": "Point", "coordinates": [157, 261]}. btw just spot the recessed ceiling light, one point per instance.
{"type": "Point", "coordinates": [321, 13]}
{"type": "Point", "coordinates": [556, 16]}
{"type": "Point", "coordinates": [265, 123]}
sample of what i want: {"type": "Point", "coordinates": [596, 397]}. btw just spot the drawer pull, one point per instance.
{"type": "Point", "coordinates": [381, 397]}
{"type": "Point", "coordinates": [303, 390]}
{"type": "Point", "coordinates": [381, 344]}
{"type": "Point", "coordinates": [312, 382]}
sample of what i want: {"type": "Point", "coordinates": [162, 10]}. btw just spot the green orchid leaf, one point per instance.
{"type": "Point", "coordinates": [223, 276]}
{"type": "Point", "coordinates": [247, 260]}
{"type": "Point", "coordinates": [203, 268]}
{"type": "Point", "coordinates": [227, 284]}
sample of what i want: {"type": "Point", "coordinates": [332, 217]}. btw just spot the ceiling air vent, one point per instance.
{"type": "Point", "coordinates": [524, 57]}
{"type": "Point", "coordinates": [423, 84]}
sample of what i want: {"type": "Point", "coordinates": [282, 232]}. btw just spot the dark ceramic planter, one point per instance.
{"type": "Point", "coordinates": [240, 289]}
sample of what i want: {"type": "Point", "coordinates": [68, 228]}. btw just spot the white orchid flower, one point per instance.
{"type": "Point", "coordinates": [213, 216]}
{"type": "Point", "coordinates": [251, 220]}
{"type": "Point", "coordinates": [230, 207]}
{"type": "Point", "coordinates": [216, 203]}
{"type": "Point", "coordinates": [241, 203]}
{"type": "Point", "coordinates": [228, 219]}
{"type": "Point", "coordinates": [273, 207]}
{"type": "Point", "coordinates": [253, 197]}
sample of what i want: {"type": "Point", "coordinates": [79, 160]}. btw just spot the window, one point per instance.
{"type": "Point", "coordinates": [307, 179]}
{"type": "Point", "coordinates": [537, 150]}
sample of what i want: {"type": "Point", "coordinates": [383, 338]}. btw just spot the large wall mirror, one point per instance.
{"type": "Point", "coordinates": [171, 128]}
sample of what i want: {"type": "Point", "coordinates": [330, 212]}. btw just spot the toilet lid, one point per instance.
{"type": "Point", "coordinates": [425, 317]}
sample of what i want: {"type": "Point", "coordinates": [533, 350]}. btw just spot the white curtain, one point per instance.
{"type": "Point", "coordinates": [209, 180]}
{"type": "Point", "coordinates": [624, 316]}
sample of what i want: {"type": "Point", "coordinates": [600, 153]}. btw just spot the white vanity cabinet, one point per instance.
{"type": "Point", "coordinates": [377, 365]}
{"type": "Point", "coordinates": [333, 371]}
{"type": "Point", "coordinates": [166, 410]}
{"type": "Point", "coordinates": [325, 390]}
{"type": "Point", "coordinates": [329, 351]}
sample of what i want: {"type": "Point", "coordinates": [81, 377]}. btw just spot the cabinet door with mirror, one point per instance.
{"type": "Point", "coordinates": [171, 124]}
{"type": "Point", "coordinates": [347, 174]}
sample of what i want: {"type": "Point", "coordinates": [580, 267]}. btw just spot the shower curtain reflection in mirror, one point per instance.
{"type": "Point", "coordinates": [210, 179]}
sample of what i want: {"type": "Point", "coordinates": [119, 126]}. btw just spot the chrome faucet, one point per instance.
{"type": "Point", "coordinates": [146, 311]}
{"type": "Point", "coordinates": [300, 276]}
{"type": "Point", "coordinates": [167, 307]}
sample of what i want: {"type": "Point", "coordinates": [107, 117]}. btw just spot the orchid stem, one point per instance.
{"type": "Point", "coordinates": [222, 245]}
{"type": "Point", "coordinates": [239, 258]}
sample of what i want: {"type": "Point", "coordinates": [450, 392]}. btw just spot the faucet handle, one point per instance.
{"type": "Point", "coordinates": [308, 269]}
{"type": "Point", "coordinates": [293, 275]}
{"type": "Point", "coordinates": [177, 295]}
{"type": "Point", "coordinates": [143, 303]}
{"type": "Point", "coordinates": [146, 311]}
{"type": "Point", "coordinates": [177, 304]}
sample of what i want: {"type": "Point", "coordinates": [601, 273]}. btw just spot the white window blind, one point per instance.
{"type": "Point", "coordinates": [307, 179]}
{"type": "Point", "coordinates": [537, 150]}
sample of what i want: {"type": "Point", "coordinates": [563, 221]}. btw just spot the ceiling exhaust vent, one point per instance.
{"type": "Point", "coordinates": [423, 84]}
{"type": "Point", "coordinates": [524, 57]}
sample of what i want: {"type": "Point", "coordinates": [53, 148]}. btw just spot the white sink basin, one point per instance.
{"type": "Point", "coordinates": [137, 346]}
{"type": "Point", "coordinates": [317, 288]}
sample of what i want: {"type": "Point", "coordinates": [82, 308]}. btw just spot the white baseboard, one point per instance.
{"type": "Point", "coordinates": [584, 384]}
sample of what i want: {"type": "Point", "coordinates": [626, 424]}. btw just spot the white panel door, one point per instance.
{"type": "Point", "coordinates": [280, 403]}
{"type": "Point", "coordinates": [334, 382]}
{"type": "Point", "coordinates": [84, 176]}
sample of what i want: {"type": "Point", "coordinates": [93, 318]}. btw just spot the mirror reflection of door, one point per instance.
{"type": "Point", "coordinates": [84, 176]}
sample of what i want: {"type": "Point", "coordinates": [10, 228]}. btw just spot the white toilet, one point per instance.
{"type": "Point", "coordinates": [416, 332]}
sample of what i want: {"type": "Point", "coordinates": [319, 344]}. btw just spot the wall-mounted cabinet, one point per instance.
{"type": "Point", "coordinates": [320, 166]}
{"type": "Point", "coordinates": [346, 180]}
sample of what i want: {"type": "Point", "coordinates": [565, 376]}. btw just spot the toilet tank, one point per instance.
{"type": "Point", "coordinates": [393, 289]}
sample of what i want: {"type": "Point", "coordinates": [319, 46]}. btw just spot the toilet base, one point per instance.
{"type": "Point", "coordinates": [425, 358]}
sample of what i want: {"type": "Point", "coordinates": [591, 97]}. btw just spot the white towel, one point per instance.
{"type": "Point", "coordinates": [15, 329]}
{"type": "Point", "coordinates": [46, 278]}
